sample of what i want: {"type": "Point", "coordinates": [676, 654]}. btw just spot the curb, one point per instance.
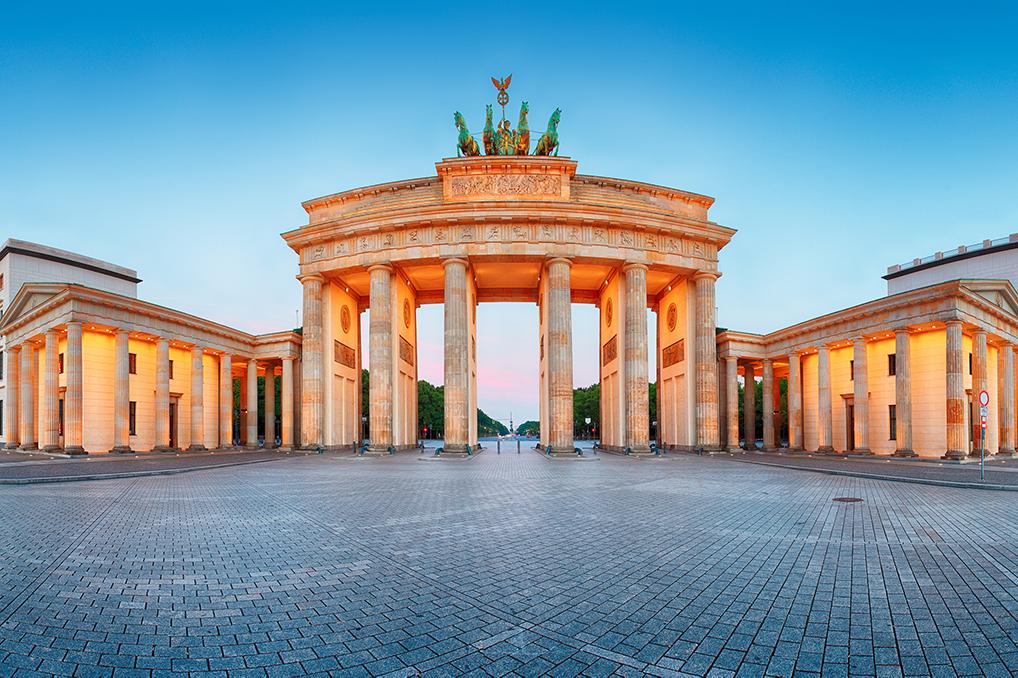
{"type": "Point", "coordinates": [127, 474]}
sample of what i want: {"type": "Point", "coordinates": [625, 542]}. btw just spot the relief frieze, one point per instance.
{"type": "Point", "coordinates": [505, 184]}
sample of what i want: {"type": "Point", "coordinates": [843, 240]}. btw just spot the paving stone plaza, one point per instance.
{"type": "Point", "coordinates": [506, 565]}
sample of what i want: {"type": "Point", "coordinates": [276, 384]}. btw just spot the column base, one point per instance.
{"type": "Point", "coordinates": [197, 448]}
{"type": "Point", "coordinates": [162, 448]}
{"type": "Point", "coordinates": [863, 451]}
{"type": "Point", "coordinates": [378, 451]}
{"type": "Point", "coordinates": [457, 451]}
{"type": "Point", "coordinates": [75, 450]}
{"type": "Point", "coordinates": [251, 447]}
{"type": "Point", "coordinates": [954, 455]}
{"type": "Point", "coordinates": [560, 451]}
{"type": "Point", "coordinates": [795, 450]}
{"type": "Point", "coordinates": [12, 446]}
{"type": "Point", "coordinates": [769, 450]}
{"type": "Point", "coordinates": [1005, 452]}
{"type": "Point", "coordinates": [641, 451]}
{"type": "Point", "coordinates": [28, 447]}
{"type": "Point", "coordinates": [122, 449]}
{"type": "Point", "coordinates": [905, 453]}
{"type": "Point", "coordinates": [826, 449]}
{"type": "Point", "coordinates": [51, 448]}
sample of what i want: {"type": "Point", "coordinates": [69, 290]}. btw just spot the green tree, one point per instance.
{"type": "Point", "coordinates": [430, 409]}
{"type": "Point", "coordinates": [529, 428]}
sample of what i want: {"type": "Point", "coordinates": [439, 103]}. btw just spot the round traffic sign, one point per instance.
{"type": "Point", "coordinates": [984, 398]}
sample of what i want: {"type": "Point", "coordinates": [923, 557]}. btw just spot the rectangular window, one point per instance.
{"type": "Point", "coordinates": [132, 417]}
{"type": "Point", "coordinates": [171, 369]}
{"type": "Point", "coordinates": [891, 365]}
{"type": "Point", "coordinates": [851, 370]}
{"type": "Point", "coordinates": [970, 364]}
{"type": "Point", "coordinates": [893, 419]}
{"type": "Point", "coordinates": [60, 361]}
{"type": "Point", "coordinates": [132, 363]}
{"type": "Point", "coordinates": [60, 419]}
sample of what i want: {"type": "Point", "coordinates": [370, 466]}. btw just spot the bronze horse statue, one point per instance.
{"type": "Point", "coordinates": [522, 136]}
{"type": "Point", "coordinates": [549, 140]}
{"type": "Point", "coordinates": [465, 144]}
{"type": "Point", "coordinates": [488, 136]}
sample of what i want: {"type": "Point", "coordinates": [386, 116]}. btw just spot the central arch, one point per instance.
{"type": "Point", "coordinates": [509, 229]}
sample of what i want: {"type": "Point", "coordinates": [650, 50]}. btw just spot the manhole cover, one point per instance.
{"type": "Point", "coordinates": [847, 500]}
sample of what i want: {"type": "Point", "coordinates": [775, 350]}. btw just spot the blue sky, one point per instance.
{"type": "Point", "coordinates": [179, 140]}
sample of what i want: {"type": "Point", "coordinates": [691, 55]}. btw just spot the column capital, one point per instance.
{"type": "Point", "coordinates": [559, 260]}
{"type": "Point", "coordinates": [380, 267]}
{"type": "Point", "coordinates": [126, 333]}
{"type": "Point", "coordinates": [634, 265]}
{"type": "Point", "coordinates": [979, 331]}
{"type": "Point", "coordinates": [446, 261]}
{"type": "Point", "coordinates": [703, 275]}
{"type": "Point", "coordinates": [307, 278]}
{"type": "Point", "coordinates": [767, 362]}
{"type": "Point", "coordinates": [954, 323]}
{"type": "Point", "coordinates": [76, 323]}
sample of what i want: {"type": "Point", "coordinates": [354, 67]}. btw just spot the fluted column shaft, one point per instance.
{"type": "Point", "coordinates": [225, 401]}
{"type": "Point", "coordinates": [12, 435]}
{"type": "Point", "coordinates": [121, 392]}
{"type": "Point", "coordinates": [980, 382]}
{"type": "Point", "coordinates": [768, 405]}
{"type": "Point", "coordinates": [861, 396]}
{"type": "Point", "coordinates": [457, 358]}
{"type": "Point", "coordinates": [708, 436]}
{"type": "Point", "coordinates": [825, 426]}
{"type": "Point", "coordinates": [286, 398]}
{"type": "Point", "coordinates": [313, 366]}
{"type": "Point", "coordinates": [380, 390]}
{"type": "Point", "coordinates": [242, 407]}
{"type": "Point", "coordinates": [1005, 398]}
{"type": "Point", "coordinates": [955, 392]}
{"type": "Point", "coordinates": [903, 393]}
{"type": "Point", "coordinates": [560, 355]}
{"type": "Point", "coordinates": [162, 419]}
{"type": "Point", "coordinates": [197, 399]}
{"type": "Point", "coordinates": [74, 393]}
{"type": "Point", "coordinates": [29, 366]}
{"type": "Point", "coordinates": [49, 425]}
{"type": "Point", "coordinates": [749, 407]}
{"type": "Point", "coordinates": [794, 402]}
{"type": "Point", "coordinates": [270, 405]}
{"type": "Point", "coordinates": [637, 394]}
{"type": "Point", "coordinates": [252, 404]}
{"type": "Point", "coordinates": [732, 393]}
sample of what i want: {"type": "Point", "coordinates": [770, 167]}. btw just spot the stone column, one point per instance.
{"type": "Point", "coordinates": [980, 382]}
{"type": "Point", "coordinates": [26, 427]}
{"type": "Point", "coordinates": [732, 392]}
{"type": "Point", "coordinates": [794, 403]}
{"type": "Point", "coordinates": [767, 396]}
{"type": "Point", "coordinates": [457, 359]}
{"type": "Point", "coordinates": [903, 393]}
{"type": "Point", "coordinates": [955, 392]}
{"type": "Point", "coordinates": [122, 393]}
{"type": "Point", "coordinates": [225, 401]}
{"type": "Point", "coordinates": [242, 407]}
{"type": "Point", "coordinates": [825, 426]}
{"type": "Point", "coordinates": [74, 393]}
{"type": "Point", "coordinates": [560, 356]}
{"type": "Point", "coordinates": [252, 404]}
{"type": "Point", "coordinates": [1005, 401]}
{"type": "Point", "coordinates": [313, 366]}
{"type": "Point", "coordinates": [12, 436]}
{"type": "Point", "coordinates": [380, 389]}
{"type": "Point", "coordinates": [286, 397]}
{"type": "Point", "coordinates": [861, 397]}
{"type": "Point", "coordinates": [707, 433]}
{"type": "Point", "coordinates": [162, 394]}
{"type": "Point", "coordinates": [776, 413]}
{"type": "Point", "coordinates": [637, 403]}
{"type": "Point", "coordinates": [197, 400]}
{"type": "Point", "coordinates": [49, 424]}
{"type": "Point", "coordinates": [749, 407]}
{"type": "Point", "coordinates": [270, 405]}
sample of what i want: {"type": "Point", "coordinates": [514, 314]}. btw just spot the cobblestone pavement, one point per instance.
{"type": "Point", "coordinates": [998, 472]}
{"type": "Point", "coordinates": [506, 564]}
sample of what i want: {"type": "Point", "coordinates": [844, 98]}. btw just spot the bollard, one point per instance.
{"type": "Point", "coordinates": [517, 447]}
{"type": "Point", "coordinates": [498, 446]}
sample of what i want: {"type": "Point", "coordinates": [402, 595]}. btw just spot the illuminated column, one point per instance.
{"type": "Point", "coordinates": [270, 405]}
{"type": "Point", "coordinates": [749, 407]}
{"type": "Point", "coordinates": [197, 400]}
{"type": "Point", "coordinates": [49, 424]}
{"type": "Point", "coordinates": [457, 358]}
{"type": "Point", "coordinates": [980, 381]}
{"type": "Point", "coordinates": [242, 406]}
{"type": "Point", "coordinates": [73, 395]}
{"type": "Point", "coordinates": [162, 394]}
{"type": "Point", "coordinates": [560, 356]}
{"type": "Point", "coordinates": [768, 406]}
{"type": "Point", "coordinates": [903, 393]}
{"type": "Point", "coordinates": [955, 392]}
{"type": "Point", "coordinates": [11, 416]}
{"type": "Point", "coordinates": [861, 397]}
{"type": "Point", "coordinates": [1005, 400]}
{"type": "Point", "coordinates": [121, 393]}
{"type": "Point", "coordinates": [637, 403]}
{"type": "Point", "coordinates": [380, 360]}
{"type": "Point", "coordinates": [313, 370]}
{"type": "Point", "coordinates": [732, 393]}
{"type": "Point", "coordinates": [708, 437]}
{"type": "Point", "coordinates": [794, 403]}
{"type": "Point", "coordinates": [825, 425]}
{"type": "Point", "coordinates": [286, 434]}
{"type": "Point", "coordinates": [27, 404]}
{"type": "Point", "coordinates": [252, 404]}
{"type": "Point", "coordinates": [225, 401]}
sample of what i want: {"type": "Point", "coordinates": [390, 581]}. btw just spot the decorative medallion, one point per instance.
{"type": "Point", "coordinates": [406, 312]}
{"type": "Point", "coordinates": [673, 317]}
{"type": "Point", "coordinates": [344, 318]}
{"type": "Point", "coordinates": [608, 313]}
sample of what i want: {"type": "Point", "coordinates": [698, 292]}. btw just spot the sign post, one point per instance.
{"type": "Point", "coordinates": [984, 410]}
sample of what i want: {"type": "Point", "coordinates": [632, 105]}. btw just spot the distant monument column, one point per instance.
{"type": "Point", "coordinates": [380, 360]}
{"type": "Point", "coordinates": [73, 395]}
{"type": "Point", "coordinates": [980, 382]}
{"type": "Point", "coordinates": [312, 386]}
{"type": "Point", "coordinates": [270, 405]}
{"type": "Point", "coordinates": [252, 404]}
{"type": "Point", "coordinates": [286, 402]}
{"type": "Point", "coordinates": [197, 400]}
{"type": "Point", "coordinates": [49, 425]}
{"type": "Point", "coordinates": [28, 386]}
{"type": "Point", "coordinates": [749, 407]}
{"type": "Point", "coordinates": [767, 396]}
{"type": "Point", "coordinates": [560, 356]}
{"type": "Point", "coordinates": [122, 392]}
{"type": "Point", "coordinates": [794, 402]}
{"type": "Point", "coordinates": [708, 436]}
{"type": "Point", "coordinates": [860, 396]}
{"type": "Point", "coordinates": [162, 414]}
{"type": "Point", "coordinates": [732, 393]}
{"type": "Point", "coordinates": [457, 358]}
{"type": "Point", "coordinates": [225, 401]}
{"type": "Point", "coordinates": [955, 392]}
{"type": "Point", "coordinates": [11, 416]}
{"type": "Point", "coordinates": [1005, 397]}
{"type": "Point", "coordinates": [825, 425]}
{"type": "Point", "coordinates": [903, 393]}
{"type": "Point", "coordinates": [637, 394]}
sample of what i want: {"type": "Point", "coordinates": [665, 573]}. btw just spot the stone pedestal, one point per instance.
{"type": "Point", "coordinates": [903, 393]}
{"type": "Point", "coordinates": [73, 395]}
{"type": "Point", "coordinates": [861, 397]}
{"type": "Point", "coordinates": [380, 364]}
{"type": "Point", "coordinates": [825, 427]}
